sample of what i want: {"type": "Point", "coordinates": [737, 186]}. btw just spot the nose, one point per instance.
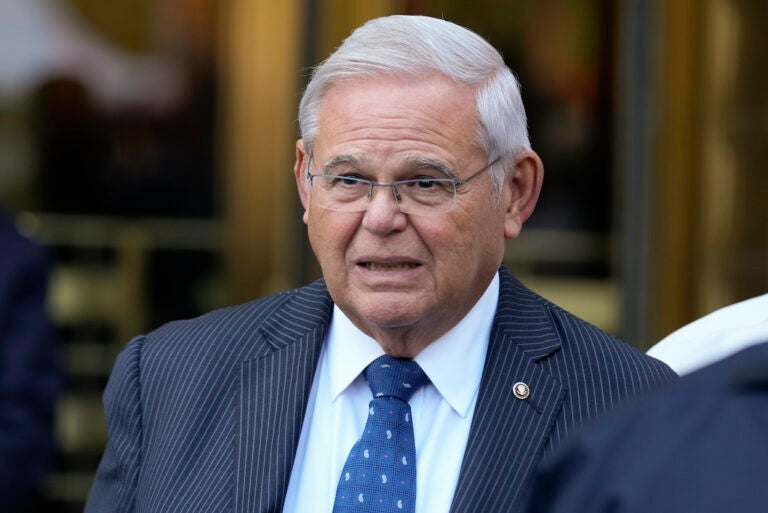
{"type": "Point", "coordinates": [383, 213]}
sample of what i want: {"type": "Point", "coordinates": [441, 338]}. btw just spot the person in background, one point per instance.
{"type": "Point", "coordinates": [418, 374]}
{"type": "Point", "coordinates": [715, 336]}
{"type": "Point", "coordinates": [30, 377]}
{"type": "Point", "coordinates": [697, 446]}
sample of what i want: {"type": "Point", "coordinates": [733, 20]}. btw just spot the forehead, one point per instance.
{"type": "Point", "coordinates": [386, 117]}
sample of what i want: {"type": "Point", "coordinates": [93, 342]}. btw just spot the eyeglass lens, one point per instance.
{"type": "Point", "coordinates": [351, 194]}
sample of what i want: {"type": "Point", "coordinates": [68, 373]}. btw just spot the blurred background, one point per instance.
{"type": "Point", "coordinates": [148, 145]}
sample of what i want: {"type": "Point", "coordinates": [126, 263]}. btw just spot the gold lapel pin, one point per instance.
{"type": "Point", "coordinates": [521, 390]}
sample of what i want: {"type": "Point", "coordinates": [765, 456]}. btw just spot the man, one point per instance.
{"type": "Point", "coordinates": [700, 445]}
{"type": "Point", "coordinates": [30, 377]}
{"type": "Point", "coordinates": [414, 168]}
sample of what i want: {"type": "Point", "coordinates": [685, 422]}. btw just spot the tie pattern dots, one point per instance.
{"type": "Point", "coordinates": [380, 472]}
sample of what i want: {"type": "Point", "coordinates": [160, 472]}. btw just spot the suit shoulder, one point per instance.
{"type": "Point", "coordinates": [235, 329]}
{"type": "Point", "coordinates": [602, 351]}
{"type": "Point", "coordinates": [568, 336]}
{"type": "Point", "coordinates": [20, 252]}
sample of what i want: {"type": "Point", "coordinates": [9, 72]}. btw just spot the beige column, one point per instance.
{"type": "Point", "coordinates": [259, 84]}
{"type": "Point", "coordinates": [733, 247]}
{"type": "Point", "coordinates": [711, 239]}
{"type": "Point", "coordinates": [676, 202]}
{"type": "Point", "coordinates": [340, 17]}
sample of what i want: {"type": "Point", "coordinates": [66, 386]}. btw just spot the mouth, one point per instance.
{"type": "Point", "coordinates": [387, 266]}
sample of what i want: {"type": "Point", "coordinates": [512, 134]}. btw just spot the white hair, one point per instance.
{"type": "Point", "coordinates": [419, 45]}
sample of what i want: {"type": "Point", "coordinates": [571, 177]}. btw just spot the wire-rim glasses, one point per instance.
{"type": "Point", "coordinates": [421, 196]}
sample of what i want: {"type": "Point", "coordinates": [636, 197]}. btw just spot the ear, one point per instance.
{"type": "Point", "coordinates": [299, 171]}
{"type": "Point", "coordinates": [521, 191]}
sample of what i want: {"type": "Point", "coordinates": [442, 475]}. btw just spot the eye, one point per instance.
{"type": "Point", "coordinates": [425, 183]}
{"type": "Point", "coordinates": [348, 180]}
{"type": "Point", "coordinates": [345, 180]}
{"type": "Point", "coordinates": [428, 186]}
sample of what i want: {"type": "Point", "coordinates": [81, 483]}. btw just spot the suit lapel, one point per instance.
{"type": "Point", "coordinates": [273, 393]}
{"type": "Point", "coordinates": [508, 434]}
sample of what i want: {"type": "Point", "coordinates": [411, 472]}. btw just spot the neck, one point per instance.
{"type": "Point", "coordinates": [405, 341]}
{"type": "Point", "coordinates": [399, 347]}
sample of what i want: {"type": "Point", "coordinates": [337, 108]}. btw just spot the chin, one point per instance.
{"type": "Point", "coordinates": [391, 314]}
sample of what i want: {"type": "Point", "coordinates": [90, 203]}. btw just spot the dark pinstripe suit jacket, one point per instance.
{"type": "Point", "coordinates": [205, 415]}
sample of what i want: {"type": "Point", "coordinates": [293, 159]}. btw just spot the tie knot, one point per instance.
{"type": "Point", "coordinates": [393, 377]}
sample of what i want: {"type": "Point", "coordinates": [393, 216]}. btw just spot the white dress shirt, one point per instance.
{"type": "Point", "coordinates": [715, 336]}
{"type": "Point", "coordinates": [442, 410]}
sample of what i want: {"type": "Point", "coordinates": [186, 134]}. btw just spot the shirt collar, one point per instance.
{"type": "Point", "coordinates": [349, 352]}
{"type": "Point", "coordinates": [459, 353]}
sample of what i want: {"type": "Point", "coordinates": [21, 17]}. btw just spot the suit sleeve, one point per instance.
{"type": "Point", "coordinates": [114, 486]}
{"type": "Point", "coordinates": [30, 376]}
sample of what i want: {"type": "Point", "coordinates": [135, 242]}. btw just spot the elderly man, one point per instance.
{"type": "Point", "coordinates": [419, 375]}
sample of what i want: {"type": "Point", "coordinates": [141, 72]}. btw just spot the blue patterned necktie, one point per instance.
{"type": "Point", "coordinates": [380, 472]}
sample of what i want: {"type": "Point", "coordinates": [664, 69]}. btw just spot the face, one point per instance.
{"type": "Point", "coordinates": [403, 279]}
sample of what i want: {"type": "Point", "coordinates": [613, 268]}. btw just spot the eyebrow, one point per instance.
{"type": "Point", "coordinates": [418, 162]}
{"type": "Point", "coordinates": [415, 162]}
{"type": "Point", "coordinates": [341, 160]}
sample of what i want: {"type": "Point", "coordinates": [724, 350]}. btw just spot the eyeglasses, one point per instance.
{"type": "Point", "coordinates": [423, 196]}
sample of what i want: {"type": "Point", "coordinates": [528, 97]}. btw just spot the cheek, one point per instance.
{"type": "Point", "coordinates": [452, 244]}
{"type": "Point", "coordinates": [458, 235]}
{"type": "Point", "coordinates": [474, 240]}
{"type": "Point", "coordinates": [329, 234]}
